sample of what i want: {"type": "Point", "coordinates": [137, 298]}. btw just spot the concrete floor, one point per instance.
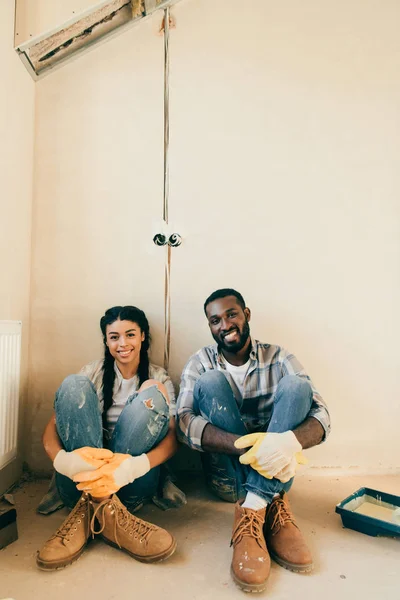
{"type": "Point", "coordinates": [348, 565]}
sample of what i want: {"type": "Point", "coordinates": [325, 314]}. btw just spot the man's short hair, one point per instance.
{"type": "Point", "coordinates": [222, 293]}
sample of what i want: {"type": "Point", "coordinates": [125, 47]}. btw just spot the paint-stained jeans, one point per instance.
{"type": "Point", "coordinates": [214, 400]}
{"type": "Point", "coordinates": [139, 428]}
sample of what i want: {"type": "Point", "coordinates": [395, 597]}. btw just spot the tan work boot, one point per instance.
{"type": "Point", "coordinates": [119, 528]}
{"type": "Point", "coordinates": [284, 539]}
{"type": "Point", "coordinates": [250, 562]}
{"type": "Point", "coordinates": [69, 541]}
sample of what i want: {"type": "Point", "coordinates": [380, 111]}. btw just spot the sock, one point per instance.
{"type": "Point", "coordinates": [253, 501]}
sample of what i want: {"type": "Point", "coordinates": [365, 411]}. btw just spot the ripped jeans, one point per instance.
{"type": "Point", "coordinates": [225, 475]}
{"type": "Point", "coordinates": [139, 428]}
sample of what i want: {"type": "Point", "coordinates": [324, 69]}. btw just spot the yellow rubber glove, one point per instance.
{"type": "Point", "coordinates": [82, 459]}
{"type": "Point", "coordinates": [272, 454]}
{"type": "Point", "coordinates": [290, 470]}
{"type": "Point", "coordinates": [120, 470]}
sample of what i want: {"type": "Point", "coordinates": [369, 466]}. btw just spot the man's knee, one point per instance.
{"type": "Point", "coordinates": [293, 386]}
{"type": "Point", "coordinates": [210, 382]}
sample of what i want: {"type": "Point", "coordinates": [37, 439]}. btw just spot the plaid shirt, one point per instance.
{"type": "Point", "coordinates": [268, 364]}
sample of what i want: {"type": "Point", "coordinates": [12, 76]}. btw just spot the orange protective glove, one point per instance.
{"type": "Point", "coordinates": [81, 459]}
{"type": "Point", "coordinates": [109, 478]}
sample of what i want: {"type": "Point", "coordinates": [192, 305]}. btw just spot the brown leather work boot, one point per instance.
{"type": "Point", "coordinates": [284, 539]}
{"type": "Point", "coordinates": [69, 541]}
{"type": "Point", "coordinates": [250, 562]}
{"type": "Point", "coordinates": [119, 528]}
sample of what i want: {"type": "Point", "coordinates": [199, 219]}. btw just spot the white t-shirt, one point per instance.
{"type": "Point", "coordinates": [126, 389]}
{"type": "Point", "coordinates": [238, 374]}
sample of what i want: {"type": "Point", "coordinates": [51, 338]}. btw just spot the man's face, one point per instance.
{"type": "Point", "coordinates": [229, 323]}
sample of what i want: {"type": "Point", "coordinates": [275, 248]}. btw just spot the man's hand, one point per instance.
{"type": "Point", "coordinates": [271, 454]}
{"type": "Point", "coordinates": [82, 459]}
{"type": "Point", "coordinates": [289, 471]}
{"type": "Point", "coordinates": [113, 475]}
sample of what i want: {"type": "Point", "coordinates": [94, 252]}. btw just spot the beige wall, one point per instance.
{"type": "Point", "coordinates": [284, 181]}
{"type": "Point", "coordinates": [16, 164]}
{"type": "Point", "coordinates": [98, 191]}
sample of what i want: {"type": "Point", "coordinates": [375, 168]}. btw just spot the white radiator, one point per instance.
{"type": "Point", "coordinates": [10, 366]}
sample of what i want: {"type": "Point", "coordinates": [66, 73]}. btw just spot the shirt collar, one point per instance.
{"type": "Point", "coordinates": [218, 355]}
{"type": "Point", "coordinates": [118, 376]}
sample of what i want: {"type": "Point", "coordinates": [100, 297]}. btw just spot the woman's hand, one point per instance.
{"type": "Point", "coordinates": [82, 459]}
{"type": "Point", "coordinates": [120, 470]}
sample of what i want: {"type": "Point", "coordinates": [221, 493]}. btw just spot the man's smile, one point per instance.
{"type": "Point", "coordinates": [231, 335]}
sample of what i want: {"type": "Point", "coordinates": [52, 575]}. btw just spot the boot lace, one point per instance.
{"type": "Point", "coordinates": [135, 527]}
{"type": "Point", "coordinates": [250, 524]}
{"type": "Point", "coordinates": [280, 514]}
{"type": "Point", "coordinates": [75, 518]}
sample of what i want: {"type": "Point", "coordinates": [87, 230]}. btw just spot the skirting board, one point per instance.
{"type": "Point", "coordinates": [9, 475]}
{"type": "Point", "coordinates": [351, 471]}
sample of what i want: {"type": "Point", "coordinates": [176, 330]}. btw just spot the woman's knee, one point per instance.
{"type": "Point", "coordinates": [75, 391]}
{"type": "Point", "coordinates": [160, 387]}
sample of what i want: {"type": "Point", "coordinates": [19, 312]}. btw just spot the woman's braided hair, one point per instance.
{"type": "Point", "coordinates": [123, 313]}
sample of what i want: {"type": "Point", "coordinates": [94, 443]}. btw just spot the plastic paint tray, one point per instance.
{"type": "Point", "coordinates": [364, 523]}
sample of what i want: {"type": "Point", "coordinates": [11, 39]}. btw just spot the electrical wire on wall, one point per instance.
{"type": "Point", "coordinates": [167, 290]}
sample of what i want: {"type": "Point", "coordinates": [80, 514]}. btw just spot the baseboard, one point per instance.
{"type": "Point", "coordinates": [9, 475]}
{"type": "Point", "coordinates": [352, 471]}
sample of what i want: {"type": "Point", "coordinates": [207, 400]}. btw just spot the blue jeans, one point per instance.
{"type": "Point", "coordinates": [139, 428]}
{"type": "Point", "coordinates": [214, 400]}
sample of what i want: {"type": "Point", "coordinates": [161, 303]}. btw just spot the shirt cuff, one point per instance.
{"type": "Point", "coordinates": [195, 432]}
{"type": "Point", "coordinates": [316, 414]}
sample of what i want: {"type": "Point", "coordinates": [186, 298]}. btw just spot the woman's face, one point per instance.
{"type": "Point", "coordinates": [124, 340]}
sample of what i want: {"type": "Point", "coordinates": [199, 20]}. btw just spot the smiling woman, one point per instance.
{"type": "Point", "coordinates": [125, 344]}
{"type": "Point", "coordinates": [113, 426]}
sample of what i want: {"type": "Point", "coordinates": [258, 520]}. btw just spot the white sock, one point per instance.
{"type": "Point", "coordinates": [253, 501]}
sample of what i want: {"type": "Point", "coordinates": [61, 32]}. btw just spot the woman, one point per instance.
{"type": "Point", "coordinates": [112, 428]}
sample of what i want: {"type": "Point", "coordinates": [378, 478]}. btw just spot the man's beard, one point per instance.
{"type": "Point", "coordinates": [235, 346]}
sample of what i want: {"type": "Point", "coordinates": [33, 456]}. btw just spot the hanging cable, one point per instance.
{"type": "Point", "coordinates": [166, 114]}
{"type": "Point", "coordinates": [167, 291]}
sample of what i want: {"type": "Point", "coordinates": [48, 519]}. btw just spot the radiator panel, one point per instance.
{"type": "Point", "coordinates": [10, 369]}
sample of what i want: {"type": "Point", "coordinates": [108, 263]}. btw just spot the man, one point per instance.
{"type": "Point", "coordinates": [240, 386]}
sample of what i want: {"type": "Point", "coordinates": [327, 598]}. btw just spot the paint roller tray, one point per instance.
{"type": "Point", "coordinates": [371, 512]}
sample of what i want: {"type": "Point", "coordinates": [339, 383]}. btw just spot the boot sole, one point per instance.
{"type": "Point", "coordinates": [145, 559]}
{"type": "Point", "coordinates": [255, 588]}
{"type": "Point", "coordinates": [290, 566]}
{"type": "Point", "coordinates": [53, 566]}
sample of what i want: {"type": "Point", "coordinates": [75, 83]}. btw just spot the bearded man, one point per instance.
{"type": "Point", "coordinates": [250, 408]}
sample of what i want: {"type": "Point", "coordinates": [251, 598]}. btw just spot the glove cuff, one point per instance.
{"type": "Point", "coordinates": [132, 468]}
{"type": "Point", "coordinates": [295, 444]}
{"type": "Point", "coordinates": [60, 463]}
{"type": "Point", "coordinates": [142, 465]}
